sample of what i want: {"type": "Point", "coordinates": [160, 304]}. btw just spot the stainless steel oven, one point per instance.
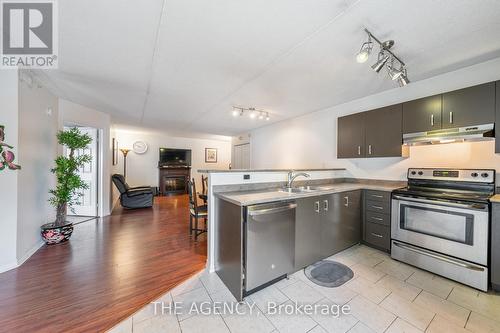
{"type": "Point", "coordinates": [442, 225]}
{"type": "Point", "coordinates": [457, 229]}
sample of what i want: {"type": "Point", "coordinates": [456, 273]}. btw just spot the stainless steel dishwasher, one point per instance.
{"type": "Point", "coordinates": [270, 238]}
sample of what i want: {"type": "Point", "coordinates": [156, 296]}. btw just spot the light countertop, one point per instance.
{"type": "Point", "coordinates": [265, 170]}
{"type": "Point", "coordinates": [495, 198]}
{"type": "Point", "coordinates": [245, 198]}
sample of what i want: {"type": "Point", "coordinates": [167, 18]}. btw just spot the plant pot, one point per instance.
{"type": "Point", "coordinates": [55, 234]}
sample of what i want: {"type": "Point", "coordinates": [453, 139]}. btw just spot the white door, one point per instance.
{"type": "Point", "coordinates": [88, 201]}
{"type": "Point", "coordinates": [241, 159]}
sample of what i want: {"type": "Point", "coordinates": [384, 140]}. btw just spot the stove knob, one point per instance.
{"type": "Point", "coordinates": [484, 175]}
{"type": "Point", "coordinates": [474, 174]}
{"type": "Point", "coordinates": [420, 173]}
{"type": "Point", "coordinates": [413, 172]}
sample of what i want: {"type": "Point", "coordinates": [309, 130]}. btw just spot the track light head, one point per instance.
{"type": "Point", "coordinates": [267, 116]}
{"type": "Point", "coordinates": [364, 52]}
{"type": "Point", "coordinates": [403, 79]}
{"type": "Point", "coordinates": [394, 73]}
{"type": "Point", "coordinates": [381, 61]}
{"type": "Point", "coordinates": [253, 114]}
{"type": "Point", "coordinates": [235, 113]}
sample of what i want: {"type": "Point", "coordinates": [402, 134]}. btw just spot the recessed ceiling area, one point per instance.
{"type": "Point", "coordinates": [181, 65]}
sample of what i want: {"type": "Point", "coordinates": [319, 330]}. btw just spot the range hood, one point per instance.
{"type": "Point", "coordinates": [450, 135]}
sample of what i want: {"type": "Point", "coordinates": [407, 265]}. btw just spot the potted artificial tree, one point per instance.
{"type": "Point", "coordinates": [69, 184]}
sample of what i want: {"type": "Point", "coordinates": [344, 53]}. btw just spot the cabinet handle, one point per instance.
{"type": "Point", "coordinates": [359, 150]}
{"type": "Point", "coordinates": [325, 205]}
{"type": "Point", "coordinates": [377, 235]}
{"type": "Point", "coordinates": [432, 120]}
{"type": "Point", "coordinates": [316, 206]}
{"type": "Point", "coordinates": [377, 218]}
{"type": "Point", "coordinates": [451, 117]}
{"type": "Point", "coordinates": [346, 201]}
{"type": "Point", "coordinates": [377, 207]}
{"type": "Point", "coordinates": [369, 149]}
{"type": "Point", "coordinates": [377, 196]}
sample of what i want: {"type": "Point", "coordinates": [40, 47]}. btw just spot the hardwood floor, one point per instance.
{"type": "Point", "coordinates": [108, 270]}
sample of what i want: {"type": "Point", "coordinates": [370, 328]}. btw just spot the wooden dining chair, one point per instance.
{"type": "Point", "coordinates": [204, 190]}
{"type": "Point", "coordinates": [196, 212]}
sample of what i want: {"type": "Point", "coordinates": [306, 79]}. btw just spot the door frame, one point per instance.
{"type": "Point", "coordinates": [100, 164]}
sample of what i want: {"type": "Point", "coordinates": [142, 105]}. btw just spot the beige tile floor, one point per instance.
{"type": "Point", "coordinates": [384, 296]}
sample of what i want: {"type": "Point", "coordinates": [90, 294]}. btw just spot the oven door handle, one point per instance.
{"type": "Point", "coordinates": [475, 206]}
{"type": "Point", "coordinates": [456, 262]}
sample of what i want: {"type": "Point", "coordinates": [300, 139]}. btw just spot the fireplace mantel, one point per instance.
{"type": "Point", "coordinates": [174, 179]}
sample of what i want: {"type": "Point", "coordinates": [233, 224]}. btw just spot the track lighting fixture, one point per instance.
{"type": "Point", "coordinates": [396, 73]}
{"type": "Point", "coordinates": [252, 112]}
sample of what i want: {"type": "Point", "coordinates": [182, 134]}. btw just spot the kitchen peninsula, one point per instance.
{"type": "Point", "coordinates": [254, 213]}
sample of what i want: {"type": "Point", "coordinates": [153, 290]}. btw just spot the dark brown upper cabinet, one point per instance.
{"type": "Point", "coordinates": [469, 106]}
{"type": "Point", "coordinates": [376, 133]}
{"type": "Point", "coordinates": [497, 121]}
{"type": "Point", "coordinates": [383, 131]}
{"type": "Point", "coordinates": [422, 115]}
{"type": "Point", "coordinates": [351, 136]}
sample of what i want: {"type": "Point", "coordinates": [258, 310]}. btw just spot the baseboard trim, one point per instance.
{"type": "Point", "coordinates": [28, 254]}
{"type": "Point", "coordinates": [22, 260]}
{"type": "Point", "coordinates": [8, 267]}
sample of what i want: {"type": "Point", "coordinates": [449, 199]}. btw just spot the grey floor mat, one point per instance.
{"type": "Point", "coordinates": [328, 273]}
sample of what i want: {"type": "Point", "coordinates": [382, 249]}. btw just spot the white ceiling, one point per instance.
{"type": "Point", "coordinates": [181, 64]}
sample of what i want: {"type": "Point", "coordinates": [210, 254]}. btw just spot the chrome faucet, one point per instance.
{"type": "Point", "coordinates": [292, 176]}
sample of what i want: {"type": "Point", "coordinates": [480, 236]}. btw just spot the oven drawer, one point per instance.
{"type": "Point", "coordinates": [450, 267]}
{"type": "Point", "coordinates": [378, 235]}
{"type": "Point", "coordinates": [382, 207]}
{"type": "Point", "coordinates": [373, 217]}
{"type": "Point", "coordinates": [378, 195]}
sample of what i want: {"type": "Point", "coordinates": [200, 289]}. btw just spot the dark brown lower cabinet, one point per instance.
{"type": "Point", "coordinates": [377, 219]}
{"type": "Point", "coordinates": [340, 222]}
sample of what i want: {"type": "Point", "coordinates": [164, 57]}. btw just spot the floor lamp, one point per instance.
{"type": "Point", "coordinates": [124, 152]}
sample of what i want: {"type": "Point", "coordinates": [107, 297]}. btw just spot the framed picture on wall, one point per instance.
{"type": "Point", "coordinates": [210, 155]}
{"type": "Point", "coordinates": [115, 152]}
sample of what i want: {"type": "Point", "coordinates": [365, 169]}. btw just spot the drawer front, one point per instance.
{"type": "Point", "coordinates": [378, 218]}
{"type": "Point", "coordinates": [381, 207]}
{"type": "Point", "coordinates": [378, 195]}
{"type": "Point", "coordinates": [378, 235]}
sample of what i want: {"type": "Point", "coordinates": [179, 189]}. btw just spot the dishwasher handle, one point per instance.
{"type": "Point", "coordinates": [273, 210]}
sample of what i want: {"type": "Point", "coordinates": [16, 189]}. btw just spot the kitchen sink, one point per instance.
{"type": "Point", "coordinates": [301, 189]}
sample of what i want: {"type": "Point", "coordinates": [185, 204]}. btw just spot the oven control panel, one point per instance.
{"type": "Point", "coordinates": [463, 175]}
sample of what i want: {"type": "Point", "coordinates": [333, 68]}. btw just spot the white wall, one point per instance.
{"type": "Point", "coordinates": [143, 169]}
{"type": "Point", "coordinates": [75, 114]}
{"type": "Point", "coordinates": [37, 151]}
{"type": "Point", "coordinates": [9, 178]}
{"type": "Point", "coordinates": [310, 141]}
